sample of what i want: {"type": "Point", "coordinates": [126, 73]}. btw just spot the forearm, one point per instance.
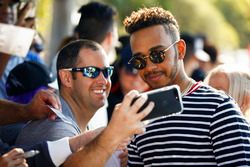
{"type": "Point", "coordinates": [96, 153]}
{"type": "Point", "coordinates": [11, 112]}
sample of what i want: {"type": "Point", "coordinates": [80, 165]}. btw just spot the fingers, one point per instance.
{"type": "Point", "coordinates": [126, 117]}
{"type": "Point", "coordinates": [38, 107]}
{"type": "Point", "coordinates": [126, 103]}
{"type": "Point", "coordinates": [22, 13]}
{"type": "Point", "coordinates": [14, 158]}
{"type": "Point", "coordinates": [50, 98]}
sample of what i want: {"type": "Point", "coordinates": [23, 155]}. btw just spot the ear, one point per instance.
{"type": "Point", "coordinates": [65, 77]}
{"type": "Point", "coordinates": [181, 46]}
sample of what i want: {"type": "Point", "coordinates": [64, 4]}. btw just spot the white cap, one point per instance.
{"type": "Point", "coordinates": [202, 55]}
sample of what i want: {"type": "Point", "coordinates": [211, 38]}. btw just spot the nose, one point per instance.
{"type": "Point", "coordinates": [101, 78]}
{"type": "Point", "coordinates": [150, 64]}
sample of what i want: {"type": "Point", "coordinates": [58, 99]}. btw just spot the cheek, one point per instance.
{"type": "Point", "coordinates": [141, 74]}
{"type": "Point", "coordinates": [108, 86]}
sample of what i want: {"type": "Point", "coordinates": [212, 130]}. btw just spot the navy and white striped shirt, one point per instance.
{"type": "Point", "coordinates": [210, 131]}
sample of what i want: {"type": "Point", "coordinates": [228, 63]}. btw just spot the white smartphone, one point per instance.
{"type": "Point", "coordinates": [167, 101]}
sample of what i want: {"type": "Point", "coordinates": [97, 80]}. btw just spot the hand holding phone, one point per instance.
{"type": "Point", "coordinates": [167, 101]}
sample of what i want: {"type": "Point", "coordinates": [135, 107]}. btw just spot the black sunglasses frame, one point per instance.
{"type": "Point", "coordinates": [139, 62]}
{"type": "Point", "coordinates": [92, 71]}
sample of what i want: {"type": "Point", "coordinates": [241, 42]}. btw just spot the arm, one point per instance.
{"type": "Point", "coordinates": [11, 112]}
{"type": "Point", "coordinates": [125, 122]}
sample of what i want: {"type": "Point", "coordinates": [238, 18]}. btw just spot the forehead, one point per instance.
{"type": "Point", "coordinates": [148, 38]}
{"type": "Point", "coordinates": [90, 57]}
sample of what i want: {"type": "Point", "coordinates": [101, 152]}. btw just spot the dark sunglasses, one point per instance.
{"type": "Point", "coordinates": [92, 71]}
{"type": "Point", "coordinates": [156, 56]}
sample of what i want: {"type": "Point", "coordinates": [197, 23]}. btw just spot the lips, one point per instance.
{"type": "Point", "coordinates": [154, 76]}
{"type": "Point", "coordinates": [99, 91]}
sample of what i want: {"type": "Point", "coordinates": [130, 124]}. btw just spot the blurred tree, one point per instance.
{"type": "Point", "coordinates": [238, 15]}
{"type": "Point", "coordinates": [204, 18]}
{"type": "Point", "coordinates": [125, 8]}
{"type": "Point", "coordinates": [43, 13]}
{"type": "Point", "coordinates": [197, 17]}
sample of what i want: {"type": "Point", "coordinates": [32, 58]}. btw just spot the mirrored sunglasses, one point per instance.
{"type": "Point", "coordinates": [156, 56]}
{"type": "Point", "coordinates": [92, 71]}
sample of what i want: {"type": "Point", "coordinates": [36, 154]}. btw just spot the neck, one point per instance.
{"type": "Point", "coordinates": [184, 82]}
{"type": "Point", "coordinates": [80, 112]}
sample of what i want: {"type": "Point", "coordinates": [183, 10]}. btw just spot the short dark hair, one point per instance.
{"type": "Point", "coordinates": [212, 52]}
{"type": "Point", "coordinates": [97, 19]}
{"type": "Point", "coordinates": [190, 46]}
{"type": "Point", "coordinates": [147, 17]}
{"type": "Point", "coordinates": [68, 55]}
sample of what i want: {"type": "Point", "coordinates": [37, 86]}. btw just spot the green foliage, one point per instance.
{"type": "Point", "coordinates": [225, 22]}
{"type": "Point", "coordinates": [44, 16]}
{"type": "Point", "coordinates": [238, 15]}
{"type": "Point", "coordinates": [204, 18]}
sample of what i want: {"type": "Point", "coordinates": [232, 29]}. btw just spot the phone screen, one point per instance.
{"type": "Point", "coordinates": [167, 101]}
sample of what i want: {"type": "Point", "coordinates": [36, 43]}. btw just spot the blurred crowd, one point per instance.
{"type": "Point", "coordinates": [89, 105]}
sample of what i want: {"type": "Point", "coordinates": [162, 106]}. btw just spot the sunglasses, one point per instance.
{"type": "Point", "coordinates": [156, 56]}
{"type": "Point", "coordinates": [92, 71]}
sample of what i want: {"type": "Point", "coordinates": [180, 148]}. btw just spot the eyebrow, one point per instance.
{"type": "Point", "coordinates": [150, 50]}
{"type": "Point", "coordinates": [156, 47]}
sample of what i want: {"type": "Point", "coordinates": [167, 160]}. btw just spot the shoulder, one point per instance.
{"type": "Point", "coordinates": [44, 130]}
{"type": "Point", "coordinates": [205, 92]}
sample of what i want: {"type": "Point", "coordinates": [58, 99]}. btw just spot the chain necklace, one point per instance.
{"type": "Point", "coordinates": [185, 91]}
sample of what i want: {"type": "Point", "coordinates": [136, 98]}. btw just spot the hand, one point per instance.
{"type": "Point", "coordinates": [22, 13]}
{"type": "Point", "coordinates": [38, 109]}
{"type": "Point", "coordinates": [126, 121]}
{"type": "Point", "coordinates": [14, 158]}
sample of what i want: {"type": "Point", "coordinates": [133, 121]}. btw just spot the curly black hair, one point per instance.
{"type": "Point", "coordinates": [146, 17]}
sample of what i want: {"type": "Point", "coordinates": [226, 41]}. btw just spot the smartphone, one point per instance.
{"type": "Point", "coordinates": [167, 101]}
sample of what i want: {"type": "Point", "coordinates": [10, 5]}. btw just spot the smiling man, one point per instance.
{"type": "Point", "coordinates": [210, 131]}
{"type": "Point", "coordinates": [84, 84]}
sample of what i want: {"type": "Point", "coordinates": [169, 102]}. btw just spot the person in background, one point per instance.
{"type": "Point", "coordinates": [203, 60]}
{"type": "Point", "coordinates": [98, 23]}
{"type": "Point", "coordinates": [126, 79]}
{"type": "Point", "coordinates": [213, 53]}
{"type": "Point", "coordinates": [190, 61]}
{"type": "Point", "coordinates": [23, 82]}
{"type": "Point", "coordinates": [210, 131]}
{"type": "Point", "coordinates": [233, 81]}
{"type": "Point", "coordinates": [11, 112]}
{"type": "Point", "coordinates": [10, 13]}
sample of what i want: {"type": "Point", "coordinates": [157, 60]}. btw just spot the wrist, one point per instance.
{"type": "Point", "coordinates": [108, 140]}
{"type": "Point", "coordinates": [24, 112]}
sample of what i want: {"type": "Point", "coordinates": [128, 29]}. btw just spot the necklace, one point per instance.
{"type": "Point", "coordinates": [190, 84]}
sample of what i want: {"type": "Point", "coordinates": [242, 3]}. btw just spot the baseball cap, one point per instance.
{"type": "Point", "coordinates": [26, 77]}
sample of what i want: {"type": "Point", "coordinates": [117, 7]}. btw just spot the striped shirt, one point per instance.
{"type": "Point", "coordinates": [210, 131]}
